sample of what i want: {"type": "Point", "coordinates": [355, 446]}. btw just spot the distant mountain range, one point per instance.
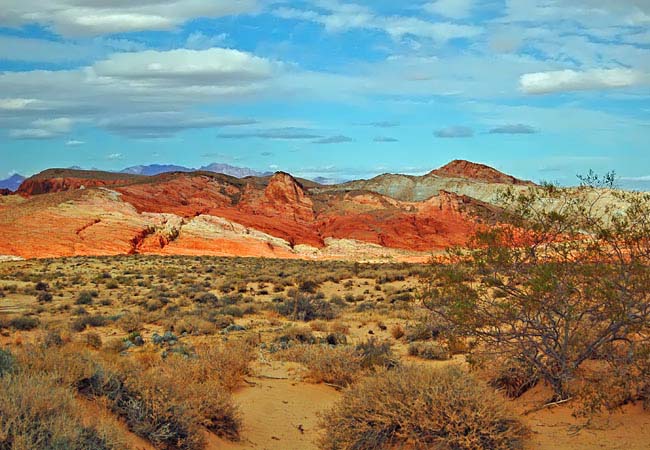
{"type": "Point", "coordinates": [227, 169]}
{"type": "Point", "coordinates": [12, 183]}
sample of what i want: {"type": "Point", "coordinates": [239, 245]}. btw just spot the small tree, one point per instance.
{"type": "Point", "coordinates": [562, 278]}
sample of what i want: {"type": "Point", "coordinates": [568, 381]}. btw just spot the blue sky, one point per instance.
{"type": "Point", "coordinates": [542, 89]}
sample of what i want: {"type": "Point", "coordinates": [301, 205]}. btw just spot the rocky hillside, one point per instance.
{"type": "Point", "coordinates": [70, 212]}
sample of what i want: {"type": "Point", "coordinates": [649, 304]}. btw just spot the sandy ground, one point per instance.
{"type": "Point", "coordinates": [276, 410]}
{"type": "Point", "coordinates": [279, 412]}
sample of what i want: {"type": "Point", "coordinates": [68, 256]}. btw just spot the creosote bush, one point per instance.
{"type": "Point", "coordinates": [419, 408]}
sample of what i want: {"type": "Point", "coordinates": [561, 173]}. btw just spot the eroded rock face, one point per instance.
{"type": "Point", "coordinates": [287, 196]}
{"type": "Point", "coordinates": [201, 213]}
{"type": "Point", "coordinates": [465, 169]}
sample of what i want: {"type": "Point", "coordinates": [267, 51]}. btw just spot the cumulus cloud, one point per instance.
{"type": "Point", "coordinates": [148, 87]}
{"type": "Point", "coordinates": [513, 129]}
{"type": "Point", "coordinates": [215, 66]}
{"type": "Point", "coordinates": [571, 80]}
{"type": "Point", "coordinates": [340, 139]}
{"type": "Point", "coordinates": [95, 17]}
{"type": "Point", "coordinates": [455, 132]}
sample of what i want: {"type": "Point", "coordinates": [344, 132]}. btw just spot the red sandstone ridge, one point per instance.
{"type": "Point", "coordinates": [214, 214]}
{"type": "Point", "coordinates": [5, 192]}
{"type": "Point", "coordinates": [58, 180]}
{"type": "Point", "coordinates": [465, 169]}
{"type": "Point", "coordinates": [286, 195]}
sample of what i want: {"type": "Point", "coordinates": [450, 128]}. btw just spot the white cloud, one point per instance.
{"type": "Point", "coordinates": [43, 129]}
{"type": "Point", "coordinates": [571, 80]}
{"type": "Point", "coordinates": [455, 9]}
{"type": "Point", "coordinates": [216, 66]}
{"type": "Point", "coordinates": [342, 17]}
{"type": "Point", "coordinates": [15, 104]}
{"type": "Point", "coordinates": [74, 143]}
{"type": "Point", "coordinates": [114, 156]}
{"type": "Point", "coordinates": [455, 132]}
{"type": "Point", "coordinates": [95, 17]}
{"type": "Point", "coordinates": [166, 124]}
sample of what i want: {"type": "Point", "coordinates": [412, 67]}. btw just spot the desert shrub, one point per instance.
{"type": "Point", "coordinates": [53, 338]}
{"type": "Point", "coordinates": [513, 377]}
{"type": "Point", "coordinates": [423, 330]}
{"type": "Point", "coordinates": [340, 366]}
{"type": "Point", "coordinates": [429, 350]}
{"type": "Point", "coordinates": [24, 323]}
{"type": "Point", "coordinates": [336, 339]}
{"type": "Point", "coordinates": [308, 286]}
{"type": "Point", "coordinates": [194, 325]}
{"type": "Point", "coordinates": [7, 362]}
{"type": "Point", "coordinates": [376, 354]}
{"type": "Point", "coordinates": [85, 297]}
{"type": "Point", "coordinates": [94, 340]}
{"type": "Point", "coordinates": [44, 297]}
{"type": "Point", "coordinates": [37, 413]}
{"type": "Point", "coordinates": [130, 322]}
{"type": "Point", "coordinates": [153, 304]}
{"type": "Point", "coordinates": [564, 280]}
{"type": "Point", "coordinates": [42, 286]}
{"type": "Point", "coordinates": [397, 332]}
{"type": "Point", "coordinates": [306, 308]}
{"type": "Point", "coordinates": [81, 323]}
{"type": "Point", "coordinates": [416, 407]}
{"type": "Point", "coordinates": [231, 310]}
{"type": "Point", "coordinates": [207, 299]}
{"type": "Point", "coordinates": [337, 300]}
{"type": "Point", "coordinates": [291, 335]}
{"type": "Point", "coordinates": [147, 408]}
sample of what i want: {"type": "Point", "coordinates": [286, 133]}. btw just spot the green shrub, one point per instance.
{"type": "Point", "coordinates": [84, 298]}
{"type": "Point", "coordinates": [24, 323]}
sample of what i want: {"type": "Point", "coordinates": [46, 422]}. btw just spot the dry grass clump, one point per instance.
{"type": "Point", "coordinates": [429, 350]}
{"type": "Point", "coordinates": [340, 366]}
{"type": "Point", "coordinates": [166, 401]}
{"type": "Point", "coordinates": [38, 412]}
{"type": "Point", "coordinates": [306, 308]}
{"type": "Point", "coordinates": [414, 407]}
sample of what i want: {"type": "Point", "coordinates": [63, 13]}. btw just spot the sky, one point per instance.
{"type": "Point", "coordinates": [541, 89]}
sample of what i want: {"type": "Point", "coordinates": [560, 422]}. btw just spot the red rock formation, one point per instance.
{"type": "Point", "coordinates": [5, 192]}
{"type": "Point", "coordinates": [465, 169]}
{"type": "Point", "coordinates": [58, 180]}
{"type": "Point", "coordinates": [178, 214]}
